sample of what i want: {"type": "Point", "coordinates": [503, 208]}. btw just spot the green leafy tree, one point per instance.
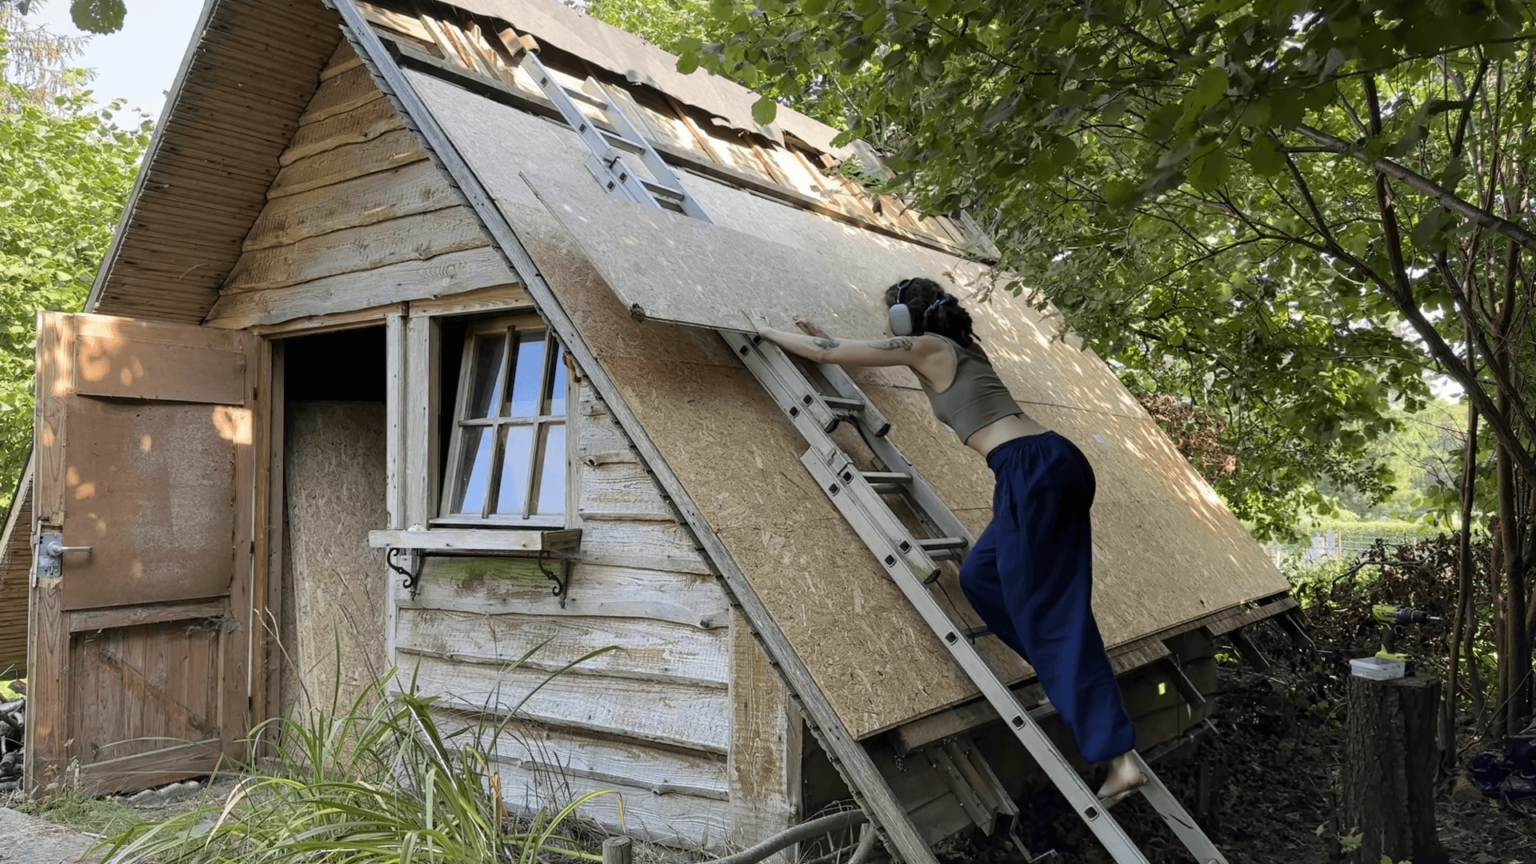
{"type": "Point", "coordinates": [92, 16]}
{"type": "Point", "coordinates": [37, 60]}
{"type": "Point", "coordinates": [65, 172]}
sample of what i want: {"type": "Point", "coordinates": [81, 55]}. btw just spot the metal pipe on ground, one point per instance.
{"type": "Point", "coordinates": [803, 831]}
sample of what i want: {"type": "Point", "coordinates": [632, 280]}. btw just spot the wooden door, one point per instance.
{"type": "Point", "coordinates": [138, 669]}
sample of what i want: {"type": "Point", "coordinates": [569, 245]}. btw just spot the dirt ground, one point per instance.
{"type": "Point", "coordinates": [1280, 738]}
{"type": "Point", "coordinates": [28, 839]}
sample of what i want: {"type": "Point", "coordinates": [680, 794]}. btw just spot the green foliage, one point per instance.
{"type": "Point", "coordinates": [1423, 456]}
{"type": "Point", "coordinates": [98, 16]}
{"type": "Point", "coordinates": [379, 781]}
{"type": "Point", "coordinates": [103, 816]}
{"type": "Point", "coordinates": [1356, 534]}
{"type": "Point", "coordinates": [65, 172]}
{"type": "Point", "coordinates": [1192, 185]}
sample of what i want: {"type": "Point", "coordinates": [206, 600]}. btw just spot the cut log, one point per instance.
{"type": "Point", "coordinates": [1389, 769]}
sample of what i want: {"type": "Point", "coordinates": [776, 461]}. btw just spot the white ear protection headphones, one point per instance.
{"type": "Point", "coordinates": [900, 314]}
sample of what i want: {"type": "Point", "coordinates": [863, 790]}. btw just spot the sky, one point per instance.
{"type": "Point", "coordinates": [139, 62]}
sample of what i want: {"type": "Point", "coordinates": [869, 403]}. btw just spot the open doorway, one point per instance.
{"type": "Point", "coordinates": [333, 473]}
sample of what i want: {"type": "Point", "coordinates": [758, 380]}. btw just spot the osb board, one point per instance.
{"type": "Point", "coordinates": [671, 267]}
{"type": "Point", "coordinates": [334, 479]}
{"type": "Point", "coordinates": [738, 459]}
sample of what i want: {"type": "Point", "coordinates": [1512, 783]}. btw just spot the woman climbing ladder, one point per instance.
{"type": "Point", "coordinates": [1030, 575]}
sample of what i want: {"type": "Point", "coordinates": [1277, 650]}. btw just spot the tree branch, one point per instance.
{"type": "Point", "coordinates": [1424, 185]}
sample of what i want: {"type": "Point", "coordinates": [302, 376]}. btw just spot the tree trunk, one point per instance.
{"type": "Point", "coordinates": [1515, 658]}
{"type": "Point", "coordinates": [1464, 573]}
{"type": "Point", "coordinates": [1389, 769]}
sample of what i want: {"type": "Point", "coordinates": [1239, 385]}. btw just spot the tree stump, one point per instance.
{"type": "Point", "coordinates": [1389, 769]}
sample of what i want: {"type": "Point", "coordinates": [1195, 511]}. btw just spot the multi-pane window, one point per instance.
{"type": "Point", "coordinates": [507, 455]}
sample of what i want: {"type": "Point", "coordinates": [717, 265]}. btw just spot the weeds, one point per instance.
{"type": "Point", "coordinates": [381, 782]}
{"type": "Point", "coordinates": [100, 816]}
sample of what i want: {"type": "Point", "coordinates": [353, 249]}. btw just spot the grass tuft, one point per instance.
{"type": "Point", "coordinates": [100, 816]}
{"type": "Point", "coordinates": [376, 783]}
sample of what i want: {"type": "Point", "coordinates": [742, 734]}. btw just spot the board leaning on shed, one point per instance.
{"type": "Point", "coordinates": [386, 198]}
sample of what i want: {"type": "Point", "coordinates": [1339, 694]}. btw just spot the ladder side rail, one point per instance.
{"type": "Point", "coordinates": [617, 172]}
{"type": "Point", "coordinates": [930, 505]}
{"type": "Point", "coordinates": [976, 668]}
{"type": "Point", "coordinates": [1179, 821]}
{"type": "Point", "coordinates": [651, 159]}
{"type": "Point", "coordinates": [794, 395]}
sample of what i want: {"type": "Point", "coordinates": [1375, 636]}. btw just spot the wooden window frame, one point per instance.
{"type": "Point", "coordinates": [540, 423]}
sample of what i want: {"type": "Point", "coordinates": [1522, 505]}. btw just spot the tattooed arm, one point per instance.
{"type": "Point", "coordinates": [924, 354]}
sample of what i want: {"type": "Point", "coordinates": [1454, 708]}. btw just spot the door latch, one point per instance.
{"type": "Point", "coordinates": [50, 556]}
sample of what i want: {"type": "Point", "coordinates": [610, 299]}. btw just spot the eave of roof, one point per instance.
{"type": "Point", "coordinates": [247, 76]}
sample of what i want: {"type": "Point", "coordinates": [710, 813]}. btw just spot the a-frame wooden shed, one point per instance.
{"type": "Point", "coordinates": [372, 354]}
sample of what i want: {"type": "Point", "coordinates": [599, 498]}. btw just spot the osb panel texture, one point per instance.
{"type": "Point", "coordinates": [335, 487]}
{"type": "Point", "coordinates": [1167, 550]}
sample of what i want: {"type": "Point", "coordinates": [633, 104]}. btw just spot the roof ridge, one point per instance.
{"type": "Point", "coordinates": [639, 61]}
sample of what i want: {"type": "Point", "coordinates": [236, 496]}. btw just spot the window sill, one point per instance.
{"type": "Point", "coordinates": [481, 540]}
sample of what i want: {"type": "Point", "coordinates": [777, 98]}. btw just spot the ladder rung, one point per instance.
{"type": "Point", "coordinates": [664, 190]}
{"type": "Point", "coordinates": [622, 143]}
{"type": "Point", "coordinates": [582, 96]}
{"type": "Point", "coordinates": [838, 403]}
{"type": "Point", "coordinates": [887, 481]}
{"type": "Point", "coordinates": [941, 544]}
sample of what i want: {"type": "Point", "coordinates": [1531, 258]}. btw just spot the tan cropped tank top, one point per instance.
{"type": "Point", "coordinates": [976, 398]}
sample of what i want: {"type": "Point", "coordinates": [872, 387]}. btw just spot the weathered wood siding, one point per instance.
{"type": "Point", "coordinates": [679, 715]}
{"type": "Point", "coordinates": [15, 578]}
{"type": "Point", "coordinates": [355, 218]}
{"type": "Point", "coordinates": [693, 738]}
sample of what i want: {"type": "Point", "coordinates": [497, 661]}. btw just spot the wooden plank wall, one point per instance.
{"type": "Point", "coordinates": [15, 578]}
{"type": "Point", "coordinates": [683, 720]}
{"type": "Point", "coordinates": [357, 217]}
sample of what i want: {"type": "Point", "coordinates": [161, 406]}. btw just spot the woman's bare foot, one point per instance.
{"type": "Point", "coordinates": [1124, 778]}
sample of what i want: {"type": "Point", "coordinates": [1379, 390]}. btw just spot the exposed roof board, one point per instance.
{"type": "Point", "coordinates": [1167, 550]}
{"type": "Point", "coordinates": [621, 53]}
{"type": "Point", "coordinates": [248, 74]}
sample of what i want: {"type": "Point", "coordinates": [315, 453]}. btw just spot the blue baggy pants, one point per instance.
{"type": "Point", "coordinates": [1030, 578]}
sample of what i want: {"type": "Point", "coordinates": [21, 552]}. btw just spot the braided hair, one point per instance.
{"type": "Point", "coordinates": [946, 319]}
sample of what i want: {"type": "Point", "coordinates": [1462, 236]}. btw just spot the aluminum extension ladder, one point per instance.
{"type": "Point", "coordinates": [911, 561]}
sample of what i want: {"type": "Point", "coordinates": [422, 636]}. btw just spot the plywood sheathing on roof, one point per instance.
{"type": "Point", "coordinates": [247, 78]}
{"type": "Point", "coordinates": [738, 459]}
{"type": "Point", "coordinates": [625, 54]}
